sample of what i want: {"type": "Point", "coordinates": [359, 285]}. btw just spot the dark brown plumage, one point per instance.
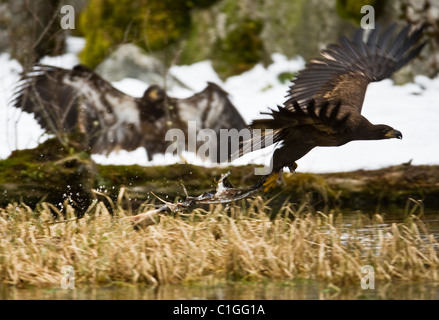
{"type": "Point", "coordinates": [80, 100]}
{"type": "Point", "coordinates": [323, 106]}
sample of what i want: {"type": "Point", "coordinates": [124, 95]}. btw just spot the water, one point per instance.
{"type": "Point", "coordinates": [295, 290]}
{"type": "Point", "coordinates": [429, 218]}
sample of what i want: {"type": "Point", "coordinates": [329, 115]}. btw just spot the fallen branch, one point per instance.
{"type": "Point", "coordinates": [225, 193]}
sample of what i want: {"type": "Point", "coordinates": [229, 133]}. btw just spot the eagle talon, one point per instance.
{"type": "Point", "coordinates": [273, 180]}
{"type": "Point", "coordinates": [270, 182]}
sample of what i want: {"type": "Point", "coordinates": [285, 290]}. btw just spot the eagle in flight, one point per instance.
{"type": "Point", "coordinates": [324, 102]}
{"type": "Point", "coordinates": [79, 100]}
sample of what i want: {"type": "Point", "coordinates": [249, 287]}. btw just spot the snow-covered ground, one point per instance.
{"type": "Point", "coordinates": [413, 109]}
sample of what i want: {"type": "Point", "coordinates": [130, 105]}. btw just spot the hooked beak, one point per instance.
{"type": "Point", "coordinates": [394, 134]}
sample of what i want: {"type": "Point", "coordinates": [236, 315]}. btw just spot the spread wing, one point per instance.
{"type": "Point", "coordinates": [210, 108]}
{"type": "Point", "coordinates": [68, 100]}
{"type": "Point", "coordinates": [346, 69]}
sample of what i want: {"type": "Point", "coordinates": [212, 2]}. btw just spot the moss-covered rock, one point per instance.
{"type": "Point", "coordinates": [150, 24]}
{"type": "Point", "coordinates": [240, 49]}
{"type": "Point", "coordinates": [286, 27]}
{"type": "Point", "coordinates": [351, 9]}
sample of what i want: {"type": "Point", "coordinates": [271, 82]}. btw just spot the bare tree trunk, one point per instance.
{"type": "Point", "coordinates": [33, 29]}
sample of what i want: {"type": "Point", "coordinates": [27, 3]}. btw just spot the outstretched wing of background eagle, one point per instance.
{"type": "Point", "coordinates": [79, 100]}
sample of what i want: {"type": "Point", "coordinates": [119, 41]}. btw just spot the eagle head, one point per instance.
{"type": "Point", "coordinates": [154, 94]}
{"type": "Point", "coordinates": [387, 132]}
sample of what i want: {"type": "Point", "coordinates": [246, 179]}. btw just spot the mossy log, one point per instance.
{"type": "Point", "coordinates": [369, 189]}
{"type": "Point", "coordinates": [55, 174]}
{"type": "Point", "coordinates": [50, 172]}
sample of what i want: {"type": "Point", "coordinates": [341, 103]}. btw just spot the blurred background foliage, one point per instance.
{"type": "Point", "coordinates": [234, 34]}
{"type": "Point", "coordinates": [150, 24]}
{"type": "Point", "coordinates": [351, 9]}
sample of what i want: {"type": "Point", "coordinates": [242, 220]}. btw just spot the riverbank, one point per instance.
{"type": "Point", "coordinates": [54, 174]}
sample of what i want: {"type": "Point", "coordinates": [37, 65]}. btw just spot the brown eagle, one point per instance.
{"type": "Point", "coordinates": [79, 100]}
{"type": "Point", "coordinates": [323, 106]}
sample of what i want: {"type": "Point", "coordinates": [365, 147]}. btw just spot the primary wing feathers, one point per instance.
{"type": "Point", "coordinates": [345, 69]}
{"type": "Point", "coordinates": [211, 108]}
{"type": "Point", "coordinates": [40, 92]}
{"type": "Point", "coordinates": [79, 99]}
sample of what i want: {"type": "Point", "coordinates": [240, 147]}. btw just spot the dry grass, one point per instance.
{"type": "Point", "coordinates": [223, 243]}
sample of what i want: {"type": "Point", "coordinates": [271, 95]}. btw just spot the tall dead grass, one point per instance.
{"type": "Point", "coordinates": [219, 244]}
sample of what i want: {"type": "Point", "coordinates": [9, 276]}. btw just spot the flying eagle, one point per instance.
{"type": "Point", "coordinates": [79, 100]}
{"type": "Point", "coordinates": [324, 102]}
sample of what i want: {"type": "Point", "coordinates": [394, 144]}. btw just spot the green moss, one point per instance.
{"type": "Point", "coordinates": [240, 49]}
{"type": "Point", "coordinates": [286, 77]}
{"type": "Point", "coordinates": [106, 23]}
{"type": "Point", "coordinates": [151, 24]}
{"type": "Point", "coordinates": [49, 172]}
{"type": "Point", "coordinates": [351, 9]}
{"type": "Point", "coordinates": [195, 48]}
{"type": "Point", "coordinates": [26, 160]}
{"type": "Point", "coordinates": [97, 47]}
{"type": "Point", "coordinates": [305, 184]}
{"type": "Point", "coordinates": [209, 37]}
{"type": "Point", "coordinates": [167, 22]}
{"type": "Point", "coordinates": [201, 4]}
